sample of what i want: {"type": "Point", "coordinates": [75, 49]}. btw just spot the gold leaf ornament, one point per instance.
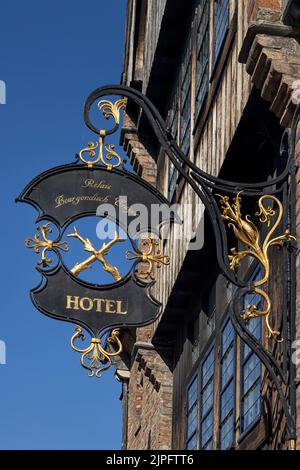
{"type": "Point", "coordinates": [150, 257]}
{"type": "Point", "coordinates": [248, 234]}
{"type": "Point", "coordinates": [42, 244]}
{"type": "Point", "coordinates": [95, 357]}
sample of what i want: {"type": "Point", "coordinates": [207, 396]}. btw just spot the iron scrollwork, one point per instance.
{"type": "Point", "coordinates": [97, 357]}
{"type": "Point", "coordinates": [63, 293]}
{"type": "Point", "coordinates": [206, 187]}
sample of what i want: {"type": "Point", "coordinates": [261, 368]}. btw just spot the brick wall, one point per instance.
{"type": "Point", "coordinates": [150, 401]}
{"type": "Point", "coordinates": [264, 10]}
{"type": "Point", "coordinates": [143, 164]}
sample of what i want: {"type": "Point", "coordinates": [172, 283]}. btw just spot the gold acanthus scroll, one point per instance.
{"type": "Point", "coordinates": [248, 234]}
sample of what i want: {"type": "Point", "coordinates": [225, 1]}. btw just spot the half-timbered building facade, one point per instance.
{"type": "Point", "coordinates": [222, 73]}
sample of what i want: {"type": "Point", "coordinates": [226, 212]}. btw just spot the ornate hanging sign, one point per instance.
{"type": "Point", "coordinates": [97, 184]}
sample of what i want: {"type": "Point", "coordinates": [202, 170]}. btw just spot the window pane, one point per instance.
{"type": "Point", "coordinates": [192, 393]}
{"type": "Point", "coordinates": [221, 24]}
{"type": "Point", "coordinates": [251, 372]}
{"type": "Point", "coordinates": [173, 175]}
{"type": "Point", "coordinates": [227, 337]}
{"type": "Point", "coordinates": [207, 397]}
{"type": "Point", "coordinates": [174, 116]}
{"type": "Point", "coordinates": [207, 401]}
{"type": "Point", "coordinates": [185, 98]}
{"type": "Point", "coordinates": [192, 415]}
{"type": "Point", "coordinates": [254, 324]}
{"type": "Point", "coordinates": [227, 402]}
{"type": "Point", "coordinates": [227, 387]}
{"type": "Point", "coordinates": [226, 434]}
{"type": "Point", "coordinates": [192, 421]}
{"type": "Point", "coordinates": [251, 366]}
{"type": "Point", "coordinates": [207, 368]}
{"type": "Point", "coordinates": [202, 53]}
{"type": "Point", "coordinates": [228, 365]}
{"type": "Point", "coordinates": [173, 124]}
{"type": "Point", "coordinates": [251, 406]}
{"type": "Point", "coordinates": [208, 445]}
{"type": "Point", "coordinates": [192, 443]}
{"type": "Point", "coordinates": [207, 429]}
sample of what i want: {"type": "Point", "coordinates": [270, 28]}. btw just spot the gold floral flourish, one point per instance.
{"type": "Point", "coordinates": [106, 160]}
{"type": "Point", "coordinates": [44, 244]}
{"type": "Point", "coordinates": [95, 358]}
{"type": "Point", "coordinates": [108, 110]}
{"type": "Point", "coordinates": [150, 255]}
{"type": "Point", "coordinates": [248, 234]}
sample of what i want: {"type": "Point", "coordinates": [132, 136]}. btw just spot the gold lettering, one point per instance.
{"type": "Point", "coordinates": [109, 305]}
{"type": "Point", "coordinates": [83, 302]}
{"type": "Point", "coordinates": [72, 302]}
{"type": "Point", "coordinates": [119, 308]}
{"type": "Point", "coordinates": [91, 183]}
{"type": "Point", "coordinates": [99, 303]}
{"type": "Point", "coordinates": [59, 201]}
{"type": "Point", "coordinates": [75, 200]}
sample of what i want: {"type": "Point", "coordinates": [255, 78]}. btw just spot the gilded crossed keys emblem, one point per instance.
{"type": "Point", "coordinates": [97, 255]}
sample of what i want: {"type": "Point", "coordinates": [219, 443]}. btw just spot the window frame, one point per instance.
{"type": "Point", "coordinates": [217, 51]}
{"type": "Point", "coordinates": [174, 123]}
{"type": "Point", "coordinates": [243, 360]}
{"type": "Point", "coordinates": [178, 96]}
{"type": "Point", "coordinates": [211, 349]}
{"type": "Point", "coordinates": [232, 380]}
{"type": "Point", "coordinates": [188, 438]}
{"type": "Point", "coordinates": [198, 114]}
{"type": "Point", "coordinates": [196, 375]}
{"type": "Point", "coordinates": [185, 96]}
{"type": "Point", "coordinates": [199, 46]}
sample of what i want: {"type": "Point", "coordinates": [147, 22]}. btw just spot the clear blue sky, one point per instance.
{"type": "Point", "coordinates": [52, 55]}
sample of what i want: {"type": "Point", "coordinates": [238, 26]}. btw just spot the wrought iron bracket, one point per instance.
{"type": "Point", "coordinates": [279, 190]}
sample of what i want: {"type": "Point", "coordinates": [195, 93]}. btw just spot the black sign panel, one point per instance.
{"type": "Point", "coordinates": [66, 298]}
{"type": "Point", "coordinates": [65, 193]}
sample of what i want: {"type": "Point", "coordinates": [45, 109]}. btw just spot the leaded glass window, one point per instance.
{"type": "Point", "coordinates": [227, 386]}
{"type": "Point", "coordinates": [221, 24]}
{"type": "Point", "coordinates": [207, 402]}
{"type": "Point", "coordinates": [185, 99]}
{"type": "Point", "coordinates": [192, 414]}
{"type": "Point", "coordinates": [251, 368]}
{"type": "Point", "coordinates": [173, 119]}
{"type": "Point", "coordinates": [202, 53]}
